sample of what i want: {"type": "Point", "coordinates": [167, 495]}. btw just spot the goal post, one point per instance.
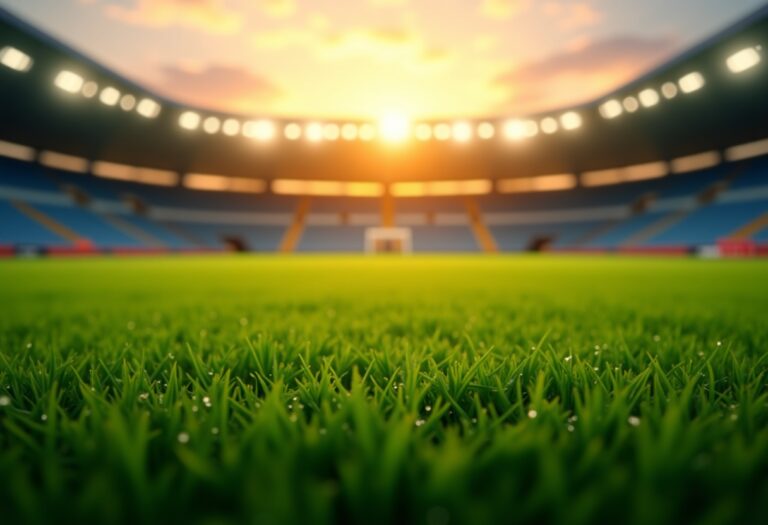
{"type": "Point", "coordinates": [388, 240]}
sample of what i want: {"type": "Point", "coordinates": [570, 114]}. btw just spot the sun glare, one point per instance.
{"type": "Point", "coordinates": [394, 127]}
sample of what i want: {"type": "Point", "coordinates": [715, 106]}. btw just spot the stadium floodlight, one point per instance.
{"type": "Point", "coordinates": [462, 132]}
{"type": "Point", "coordinates": [743, 60]}
{"type": "Point", "coordinates": [231, 127]}
{"type": "Point", "coordinates": [314, 132]}
{"type": "Point", "coordinates": [423, 132]}
{"type": "Point", "coordinates": [549, 126]}
{"type": "Point", "coordinates": [211, 125]}
{"type": "Point", "coordinates": [109, 96]}
{"type": "Point", "coordinates": [292, 131]}
{"type": "Point", "coordinates": [570, 121]}
{"type": "Point", "coordinates": [331, 132]}
{"type": "Point", "coordinates": [260, 130]}
{"type": "Point", "coordinates": [349, 131]}
{"type": "Point", "coordinates": [189, 120]}
{"type": "Point", "coordinates": [90, 89]}
{"type": "Point", "coordinates": [631, 104]}
{"type": "Point", "coordinates": [68, 81]}
{"type": "Point", "coordinates": [128, 102]}
{"type": "Point", "coordinates": [486, 131]}
{"type": "Point", "coordinates": [148, 108]}
{"type": "Point", "coordinates": [367, 132]}
{"type": "Point", "coordinates": [691, 82]}
{"type": "Point", "coordinates": [669, 90]}
{"type": "Point", "coordinates": [649, 97]}
{"type": "Point", "coordinates": [15, 59]}
{"type": "Point", "coordinates": [520, 129]}
{"type": "Point", "coordinates": [611, 109]}
{"type": "Point", "coordinates": [442, 131]}
{"type": "Point", "coordinates": [394, 127]}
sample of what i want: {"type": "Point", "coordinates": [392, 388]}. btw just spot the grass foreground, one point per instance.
{"type": "Point", "coordinates": [434, 390]}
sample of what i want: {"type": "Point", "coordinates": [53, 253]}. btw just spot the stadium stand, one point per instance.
{"type": "Point", "coordinates": [685, 170]}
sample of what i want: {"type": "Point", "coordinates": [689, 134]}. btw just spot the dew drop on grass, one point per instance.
{"type": "Point", "coordinates": [419, 422]}
{"type": "Point", "coordinates": [215, 430]}
{"type": "Point", "coordinates": [532, 414]}
{"type": "Point", "coordinates": [634, 421]}
{"type": "Point", "coordinates": [5, 401]}
{"type": "Point", "coordinates": [44, 417]}
{"type": "Point", "coordinates": [428, 408]}
{"type": "Point", "coordinates": [183, 438]}
{"type": "Point", "coordinates": [571, 428]}
{"type": "Point", "coordinates": [568, 358]}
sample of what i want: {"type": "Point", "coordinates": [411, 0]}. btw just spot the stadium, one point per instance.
{"type": "Point", "coordinates": [222, 316]}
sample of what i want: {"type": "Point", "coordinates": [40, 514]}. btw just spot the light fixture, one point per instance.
{"type": "Point", "coordinates": [90, 89]}
{"type": "Point", "coordinates": [109, 96]}
{"type": "Point", "coordinates": [549, 126]}
{"type": "Point", "coordinates": [69, 81]}
{"type": "Point", "coordinates": [260, 130]}
{"type": "Point", "coordinates": [148, 108]}
{"type": "Point", "coordinates": [743, 60]}
{"type": "Point", "coordinates": [691, 82]}
{"type": "Point", "coordinates": [231, 127]}
{"type": "Point", "coordinates": [314, 132]}
{"type": "Point", "coordinates": [128, 102]}
{"type": "Point", "coordinates": [211, 125]}
{"type": "Point", "coordinates": [631, 104]}
{"type": "Point", "coordinates": [570, 121]}
{"type": "Point", "coordinates": [669, 90]}
{"type": "Point", "coordinates": [462, 132]}
{"type": "Point", "coordinates": [649, 97]}
{"type": "Point", "coordinates": [611, 109]}
{"type": "Point", "coordinates": [349, 131]}
{"type": "Point", "coordinates": [486, 131]}
{"type": "Point", "coordinates": [189, 120]}
{"type": "Point", "coordinates": [15, 59]}
{"type": "Point", "coordinates": [292, 131]}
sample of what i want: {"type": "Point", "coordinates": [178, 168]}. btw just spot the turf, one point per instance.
{"type": "Point", "coordinates": [428, 390]}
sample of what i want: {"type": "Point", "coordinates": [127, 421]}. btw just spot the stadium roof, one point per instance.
{"type": "Point", "coordinates": [692, 104]}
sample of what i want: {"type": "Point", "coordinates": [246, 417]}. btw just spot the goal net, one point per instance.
{"type": "Point", "coordinates": [388, 240]}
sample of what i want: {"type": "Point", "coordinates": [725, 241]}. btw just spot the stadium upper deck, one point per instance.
{"type": "Point", "coordinates": [669, 162]}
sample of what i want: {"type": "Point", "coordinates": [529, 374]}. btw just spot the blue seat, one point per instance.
{"type": "Point", "coordinates": [18, 229]}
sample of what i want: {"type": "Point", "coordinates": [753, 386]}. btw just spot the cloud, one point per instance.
{"type": "Point", "coordinates": [382, 44]}
{"type": "Point", "coordinates": [581, 73]}
{"type": "Point", "coordinates": [210, 16]}
{"type": "Point", "coordinates": [388, 3]}
{"type": "Point", "coordinates": [573, 15]}
{"type": "Point", "coordinates": [503, 9]}
{"type": "Point", "coordinates": [278, 8]}
{"type": "Point", "coordinates": [218, 86]}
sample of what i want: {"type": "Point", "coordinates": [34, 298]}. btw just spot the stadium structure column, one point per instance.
{"type": "Point", "coordinates": [387, 208]}
{"type": "Point", "coordinates": [296, 229]}
{"type": "Point", "coordinates": [483, 235]}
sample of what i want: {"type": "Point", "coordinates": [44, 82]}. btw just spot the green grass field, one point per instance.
{"type": "Point", "coordinates": [428, 390]}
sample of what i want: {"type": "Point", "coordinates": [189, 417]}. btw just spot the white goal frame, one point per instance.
{"type": "Point", "coordinates": [375, 236]}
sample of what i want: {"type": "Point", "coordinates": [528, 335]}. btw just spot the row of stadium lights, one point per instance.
{"type": "Point", "coordinates": [393, 128]}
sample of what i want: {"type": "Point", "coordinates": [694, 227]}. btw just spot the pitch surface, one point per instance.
{"type": "Point", "coordinates": [347, 389]}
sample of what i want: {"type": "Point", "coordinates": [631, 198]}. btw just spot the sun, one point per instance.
{"type": "Point", "coordinates": [394, 127]}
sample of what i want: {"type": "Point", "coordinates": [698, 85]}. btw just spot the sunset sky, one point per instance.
{"type": "Point", "coordinates": [364, 58]}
